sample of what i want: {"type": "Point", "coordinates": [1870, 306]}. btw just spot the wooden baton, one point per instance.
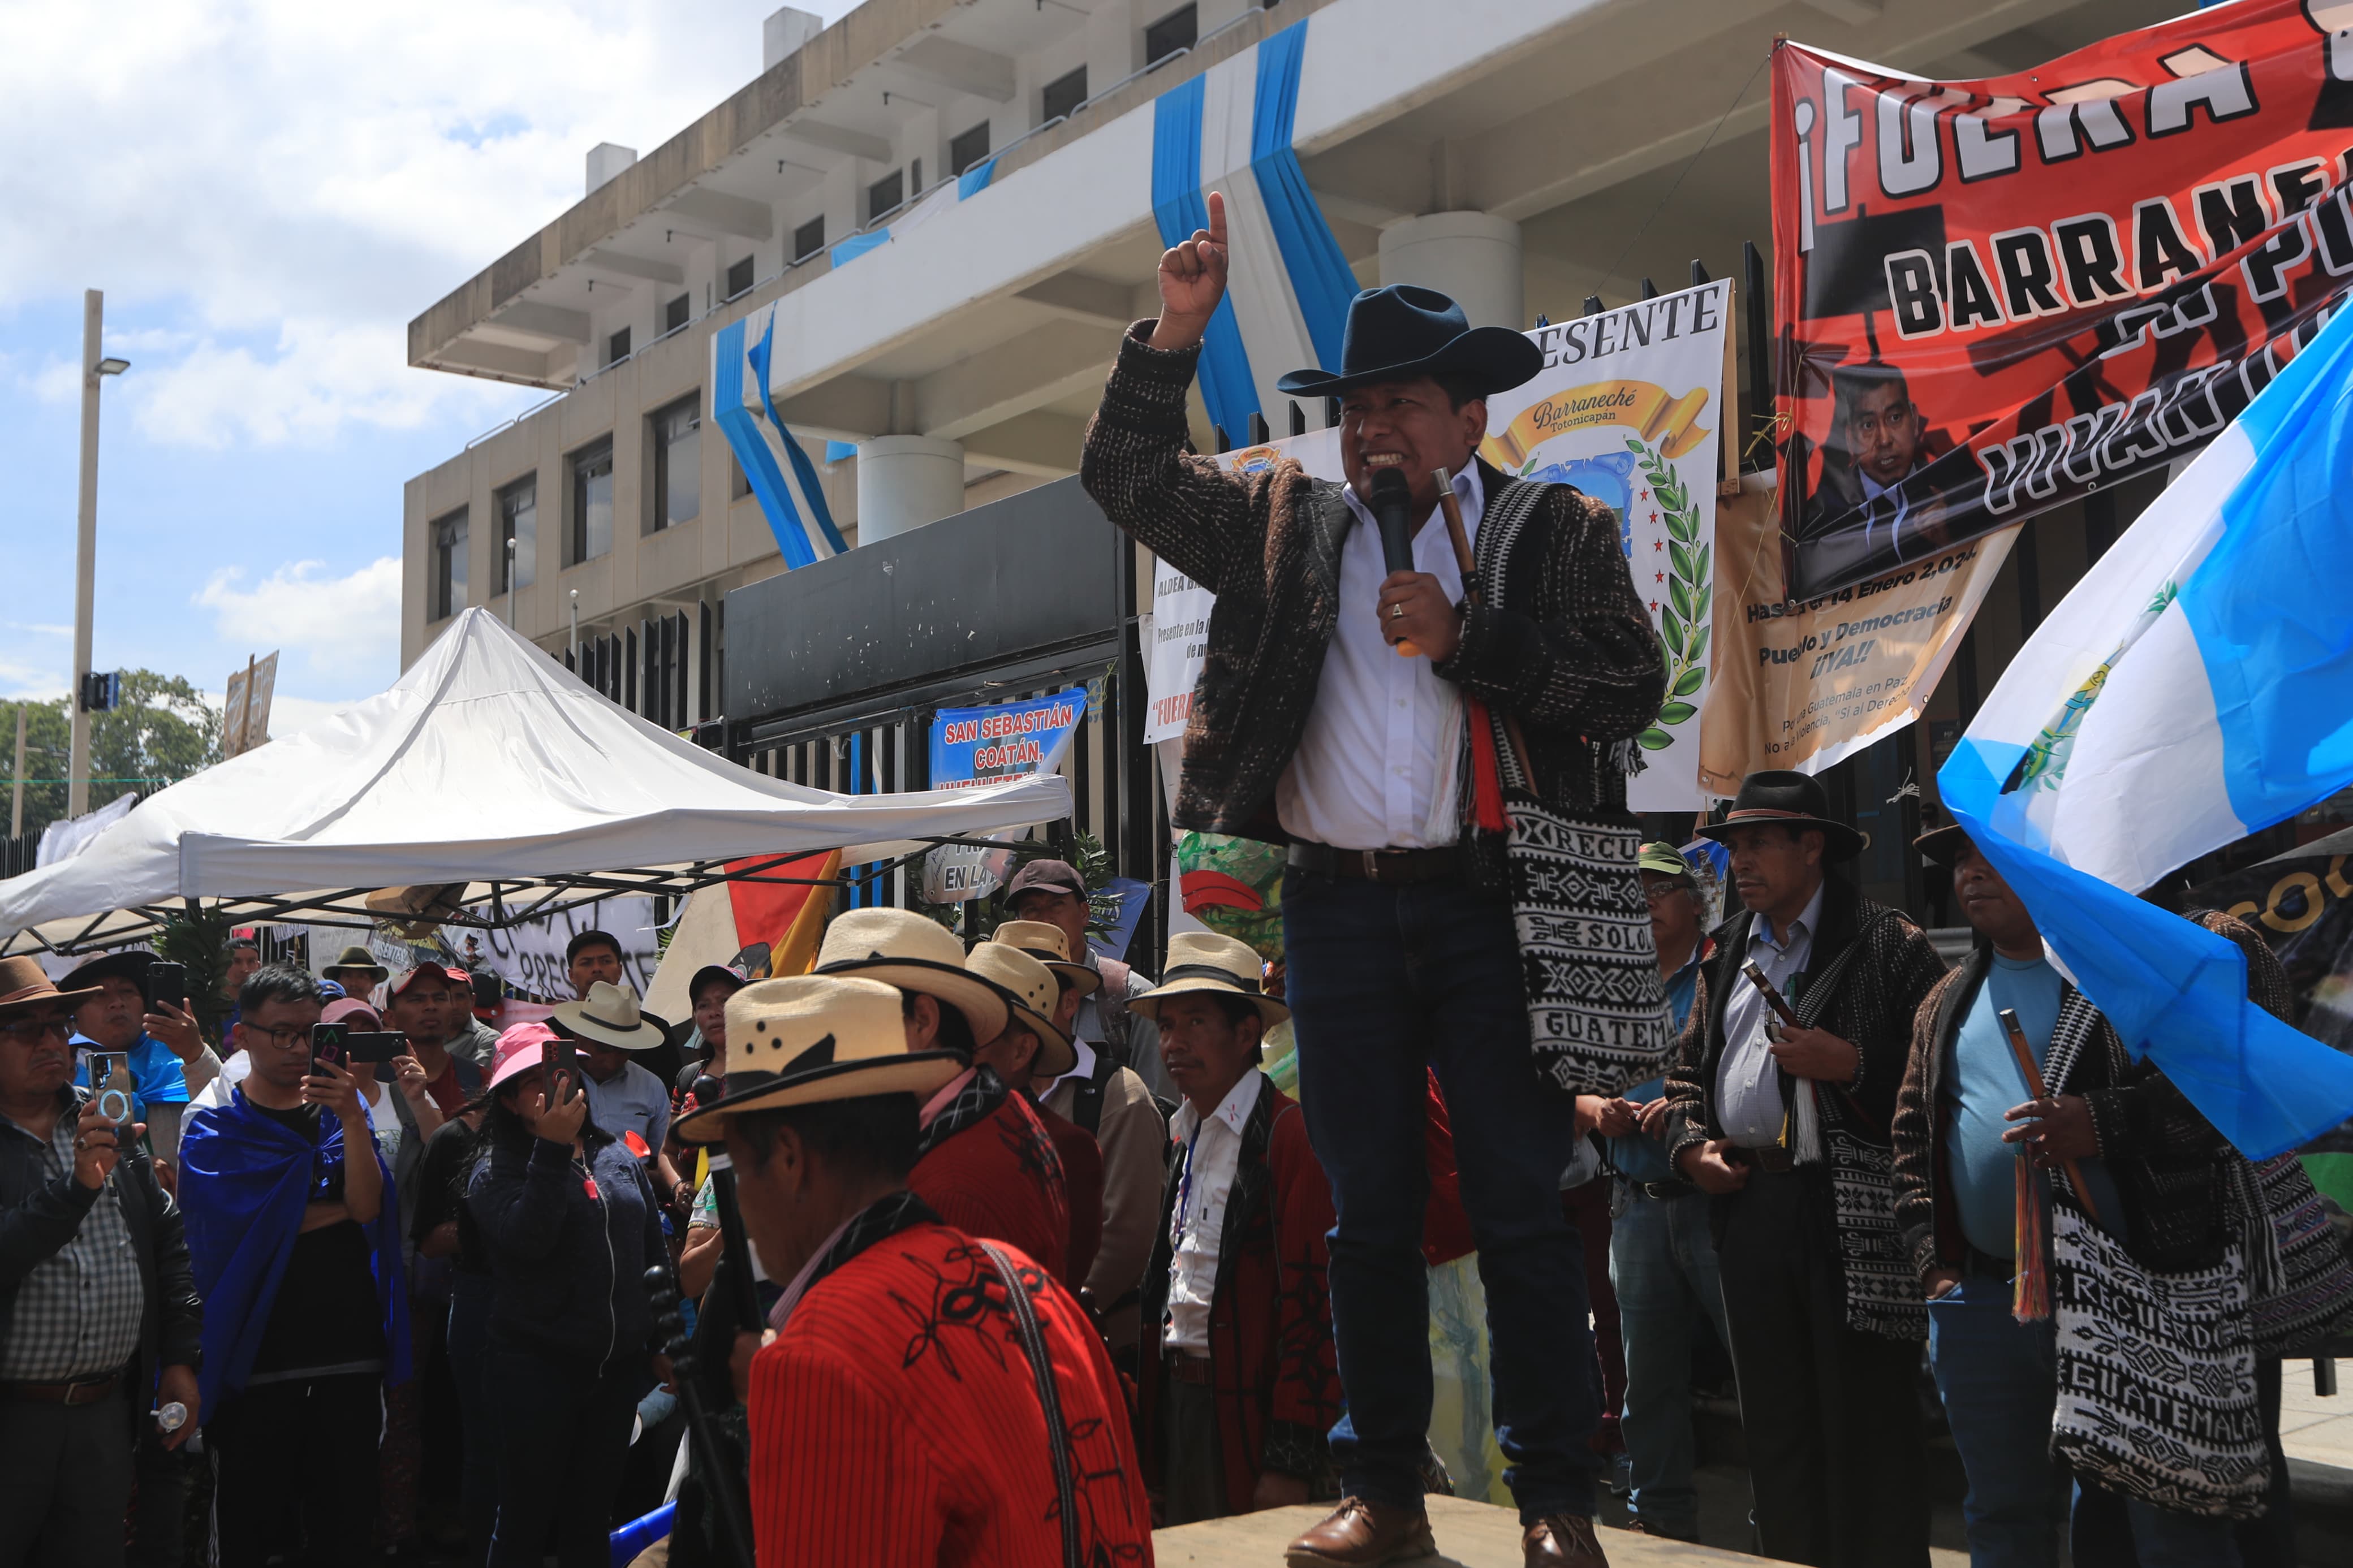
{"type": "Point", "coordinates": [2034, 1087]}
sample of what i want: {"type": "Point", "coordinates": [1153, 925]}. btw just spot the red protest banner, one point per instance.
{"type": "Point", "coordinates": [1997, 296]}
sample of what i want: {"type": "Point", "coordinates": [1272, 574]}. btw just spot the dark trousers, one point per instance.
{"type": "Point", "coordinates": [306, 1446]}
{"type": "Point", "coordinates": [470, 1343]}
{"type": "Point", "coordinates": [1387, 982]}
{"type": "Point", "coordinates": [1586, 1207]}
{"type": "Point", "coordinates": [1192, 1474]}
{"type": "Point", "coordinates": [1830, 1417]}
{"type": "Point", "coordinates": [65, 1484]}
{"type": "Point", "coordinates": [564, 1442]}
{"type": "Point", "coordinates": [159, 1525]}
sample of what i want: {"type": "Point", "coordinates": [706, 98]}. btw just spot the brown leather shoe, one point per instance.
{"type": "Point", "coordinates": [1562, 1540]}
{"type": "Point", "coordinates": [1360, 1534]}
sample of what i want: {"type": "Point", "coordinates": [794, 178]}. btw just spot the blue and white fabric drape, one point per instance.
{"type": "Point", "coordinates": [1289, 285]}
{"type": "Point", "coordinates": [780, 472]}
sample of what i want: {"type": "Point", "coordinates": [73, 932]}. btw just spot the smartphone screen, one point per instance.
{"type": "Point", "coordinates": [110, 1081]}
{"type": "Point", "coordinates": [329, 1045]}
{"type": "Point", "coordinates": [165, 983]}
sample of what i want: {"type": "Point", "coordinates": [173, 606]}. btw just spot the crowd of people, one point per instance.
{"type": "Point", "coordinates": [1005, 1253]}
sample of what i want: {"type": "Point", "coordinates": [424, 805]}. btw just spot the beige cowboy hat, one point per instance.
{"type": "Point", "coordinates": [26, 988]}
{"type": "Point", "coordinates": [1031, 991]}
{"type": "Point", "coordinates": [1203, 961]}
{"type": "Point", "coordinates": [608, 1016]}
{"type": "Point", "coordinates": [901, 948]}
{"type": "Point", "coordinates": [810, 1039]}
{"type": "Point", "coordinates": [1049, 946]}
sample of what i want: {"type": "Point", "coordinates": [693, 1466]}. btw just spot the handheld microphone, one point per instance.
{"type": "Point", "coordinates": [1392, 506]}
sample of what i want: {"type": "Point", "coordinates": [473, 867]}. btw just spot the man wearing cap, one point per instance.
{"type": "Point", "coordinates": [99, 1322]}
{"type": "Point", "coordinates": [1784, 1125]}
{"type": "Point", "coordinates": [982, 1160]}
{"type": "Point", "coordinates": [1114, 1105]}
{"type": "Point", "coordinates": [1235, 1402]}
{"type": "Point", "coordinates": [427, 1007]}
{"type": "Point", "coordinates": [1661, 1258]}
{"type": "Point", "coordinates": [1033, 1049]}
{"type": "Point", "coordinates": [625, 1100]}
{"type": "Point", "coordinates": [1051, 893]}
{"type": "Point", "coordinates": [1308, 726]}
{"type": "Point", "coordinates": [163, 1045]}
{"type": "Point", "coordinates": [900, 1412]}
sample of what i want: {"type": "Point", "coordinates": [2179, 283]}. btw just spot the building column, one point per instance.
{"type": "Point", "coordinates": [906, 481]}
{"type": "Point", "coordinates": [1470, 256]}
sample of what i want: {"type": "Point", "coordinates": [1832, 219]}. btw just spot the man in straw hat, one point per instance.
{"type": "Point", "coordinates": [1114, 1105]}
{"type": "Point", "coordinates": [1785, 1125]}
{"type": "Point", "coordinates": [897, 1414]}
{"type": "Point", "coordinates": [983, 1161]}
{"type": "Point", "coordinates": [355, 969]}
{"type": "Point", "coordinates": [99, 1322]}
{"type": "Point", "coordinates": [1308, 725]}
{"type": "Point", "coordinates": [2141, 1164]}
{"type": "Point", "coordinates": [1242, 1384]}
{"type": "Point", "coordinates": [626, 1100]}
{"type": "Point", "coordinates": [1037, 1048]}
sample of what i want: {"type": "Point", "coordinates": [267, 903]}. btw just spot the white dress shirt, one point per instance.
{"type": "Point", "coordinates": [1376, 767]}
{"type": "Point", "coordinates": [1197, 1221]}
{"type": "Point", "coordinates": [1747, 1080]}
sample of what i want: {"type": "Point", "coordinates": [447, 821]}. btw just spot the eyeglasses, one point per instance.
{"type": "Point", "coordinates": [33, 1031]}
{"type": "Point", "coordinates": [282, 1038]}
{"type": "Point", "coordinates": [1660, 893]}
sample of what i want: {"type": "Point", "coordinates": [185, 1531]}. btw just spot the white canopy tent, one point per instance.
{"type": "Point", "coordinates": [489, 785]}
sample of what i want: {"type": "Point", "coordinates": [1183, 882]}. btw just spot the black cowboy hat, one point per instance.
{"type": "Point", "coordinates": [1943, 845]}
{"type": "Point", "coordinates": [1792, 800]}
{"type": "Point", "coordinates": [1402, 333]}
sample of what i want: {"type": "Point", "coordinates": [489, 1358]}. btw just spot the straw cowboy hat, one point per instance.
{"type": "Point", "coordinates": [901, 948]}
{"type": "Point", "coordinates": [608, 1016]}
{"type": "Point", "coordinates": [1031, 991]}
{"type": "Point", "coordinates": [1779, 797]}
{"type": "Point", "coordinates": [810, 1039]}
{"type": "Point", "coordinates": [356, 957]}
{"type": "Point", "coordinates": [1203, 961]}
{"type": "Point", "coordinates": [1049, 946]}
{"type": "Point", "coordinates": [24, 988]}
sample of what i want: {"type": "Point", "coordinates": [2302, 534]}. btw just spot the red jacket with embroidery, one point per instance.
{"type": "Point", "coordinates": [1083, 1188]}
{"type": "Point", "coordinates": [1277, 1380]}
{"type": "Point", "coordinates": [895, 1420]}
{"type": "Point", "coordinates": [1001, 1180]}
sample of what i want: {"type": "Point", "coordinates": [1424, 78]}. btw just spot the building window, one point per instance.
{"type": "Point", "coordinates": [1178, 30]}
{"type": "Point", "coordinates": [968, 149]}
{"type": "Point", "coordinates": [592, 502]}
{"type": "Point", "coordinates": [741, 486]}
{"type": "Point", "coordinates": [1063, 96]}
{"type": "Point", "coordinates": [739, 278]}
{"type": "Point", "coordinates": [616, 347]}
{"type": "Point", "coordinates": [518, 526]}
{"type": "Point", "coordinates": [674, 315]}
{"type": "Point", "coordinates": [449, 565]}
{"type": "Point", "coordinates": [809, 238]}
{"type": "Point", "coordinates": [677, 434]}
{"type": "Point", "coordinates": [885, 194]}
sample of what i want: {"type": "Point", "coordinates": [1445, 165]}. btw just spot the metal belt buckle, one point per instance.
{"type": "Point", "coordinates": [1372, 865]}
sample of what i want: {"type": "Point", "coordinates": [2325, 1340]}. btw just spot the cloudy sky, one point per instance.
{"type": "Point", "coordinates": [268, 192]}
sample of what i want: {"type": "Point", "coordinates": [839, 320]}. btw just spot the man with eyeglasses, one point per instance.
{"type": "Point", "coordinates": [99, 1321]}
{"type": "Point", "coordinates": [297, 1253]}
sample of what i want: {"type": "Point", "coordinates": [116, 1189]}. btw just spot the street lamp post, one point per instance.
{"type": "Point", "coordinates": [94, 370]}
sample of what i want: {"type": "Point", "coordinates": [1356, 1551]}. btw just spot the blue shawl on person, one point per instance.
{"type": "Point", "coordinates": [245, 1181]}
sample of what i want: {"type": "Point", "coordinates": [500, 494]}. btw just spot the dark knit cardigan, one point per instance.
{"type": "Point", "coordinates": [2168, 1160]}
{"type": "Point", "coordinates": [1576, 658]}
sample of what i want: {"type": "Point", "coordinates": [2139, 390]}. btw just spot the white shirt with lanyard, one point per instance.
{"type": "Point", "coordinates": [1196, 1222]}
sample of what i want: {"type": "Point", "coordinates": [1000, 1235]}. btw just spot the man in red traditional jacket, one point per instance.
{"type": "Point", "coordinates": [1234, 1406]}
{"type": "Point", "coordinates": [1036, 1048]}
{"type": "Point", "coordinates": [983, 1162]}
{"type": "Point", "coordinates": [900, 1411]}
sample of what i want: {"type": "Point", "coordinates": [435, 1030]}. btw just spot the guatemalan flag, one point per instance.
{"type": "Point", "coordinates": [2195, 686]}
{"type": "Point", "coordinates": [780, 472]}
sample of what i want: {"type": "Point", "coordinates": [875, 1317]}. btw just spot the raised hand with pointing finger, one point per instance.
{"type": "Point", "coordinates": [1192, 281]}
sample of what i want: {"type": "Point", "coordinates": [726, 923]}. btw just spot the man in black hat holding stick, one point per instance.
{"type": "Point", "coordinates": [1778, 1107]}
{"type": "Point", "coordinates": [1331, 714]}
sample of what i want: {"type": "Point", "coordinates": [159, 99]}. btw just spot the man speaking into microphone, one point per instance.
{"type": "Point", "coordinates": [1330, 715]}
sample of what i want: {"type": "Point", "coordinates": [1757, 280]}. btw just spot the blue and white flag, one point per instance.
{"type": "Point", "coordinates": [1288, 285]}
{"type": "Point", "coordinates": [780, 472]}
{"type": "Point", "coordinates": [2196, 685]}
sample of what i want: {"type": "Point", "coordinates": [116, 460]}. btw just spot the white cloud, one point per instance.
{"type": "Point", "coordinates": [321, 378]}
{"type": "Point", "coordinates": [337, 626]}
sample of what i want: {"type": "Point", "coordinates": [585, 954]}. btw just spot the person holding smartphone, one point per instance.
{"type": "Point", "coordinates": [306, 1306]}
{"type": "Point", "coordinates": [161, 1039]}
{"type": "Point", "coordinates": [570, 1224]}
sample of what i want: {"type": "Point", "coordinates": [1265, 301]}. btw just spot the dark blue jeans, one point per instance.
{"type": "Point", "coordinates": [470, 1346]}
{"type": "Point", "coordinates": [1385, 983]}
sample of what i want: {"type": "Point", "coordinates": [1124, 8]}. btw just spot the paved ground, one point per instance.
{"type": "Point", "coordinates": [2312, 1427]}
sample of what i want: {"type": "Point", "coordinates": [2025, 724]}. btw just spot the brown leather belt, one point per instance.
{"type": "Point", "coordinates": [1193, 1369]}
{"type": "Point", "coordinates": [1772, 1158]}
{"type": "Point", "coordinates": [81, 1390]}
{"type": "Point", "coordinates": [1390, 866]}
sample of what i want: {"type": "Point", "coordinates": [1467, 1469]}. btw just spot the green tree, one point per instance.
{"type": "Point", "coordinates": [163, 732]}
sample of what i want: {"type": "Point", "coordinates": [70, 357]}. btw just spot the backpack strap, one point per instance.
{"type": "Point", "coordinates": [1050, 1398]}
